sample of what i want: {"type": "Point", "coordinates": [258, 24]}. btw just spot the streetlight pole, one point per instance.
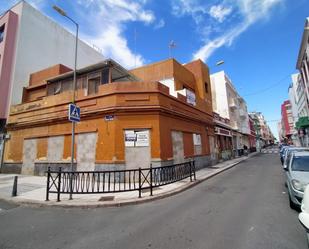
{"type": "Point", "coordinates": [63, 13]}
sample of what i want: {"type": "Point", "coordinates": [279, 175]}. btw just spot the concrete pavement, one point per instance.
{"type": "Point", "coordinates": [32, 190]}
{"type": "Point", "coordinates": [246, 207]}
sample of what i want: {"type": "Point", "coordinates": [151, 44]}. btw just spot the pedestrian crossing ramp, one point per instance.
{"type": "Point", "coordinates": [270, 151]}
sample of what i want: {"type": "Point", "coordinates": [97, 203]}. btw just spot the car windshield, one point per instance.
{"type": "Point", "coordinates": [300, 163]}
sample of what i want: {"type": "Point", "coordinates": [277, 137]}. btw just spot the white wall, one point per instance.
{"type": "Point", "coordinates": [300, 97]}
{"type": "Point", "coordinates": [42, 43]}
{"type": "Point", "coordinates": [293, 98]}
{"type": "Point", "coordinates": [219, 94]}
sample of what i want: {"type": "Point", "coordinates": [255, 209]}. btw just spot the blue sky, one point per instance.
{"type": "Point", "coordinates": [258, 39]}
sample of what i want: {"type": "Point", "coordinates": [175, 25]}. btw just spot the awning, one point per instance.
{"type": "Point", "coordinates": [302, 122]}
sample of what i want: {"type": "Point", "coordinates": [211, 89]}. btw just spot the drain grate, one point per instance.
{"type": "Point", "coordinates": [107, 198]}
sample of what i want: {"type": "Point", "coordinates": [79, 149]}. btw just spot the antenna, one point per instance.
{"type": "Point", "coordinates": [171, 46]}
{"type": "Point", "coordinates": [135, 38]}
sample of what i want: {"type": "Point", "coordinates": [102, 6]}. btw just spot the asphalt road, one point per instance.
{"type": "Point", "coordinates": [245, 207]}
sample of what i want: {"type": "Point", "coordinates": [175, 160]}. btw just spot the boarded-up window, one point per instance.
{"type": "Point", "coordinates": [94, 81]}
{"type": "Point", "coordinates": [105, 76]}
{"type": "Point", "coordinates": [53, 88]}
{"type": "Point", "coordinates": [66, 85]}
{"type": "Point", "coordinates": [197, 141]}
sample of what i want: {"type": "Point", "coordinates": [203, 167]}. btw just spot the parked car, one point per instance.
{"type": "Point", "coordinates": [288, 153]}
{"type": "Point", "coordinates": [297, 173]}
{"type": "Point", "coordinates": [281, 153]}
{"type": "Point", "coordinates": [303, 217]}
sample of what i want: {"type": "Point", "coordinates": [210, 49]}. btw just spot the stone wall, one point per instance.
{"type": "Point", "coordinates": [86, 148]}
{"type": "Point", "coordinates": [29, 156]}
{"type": "Point", "coordinates": [11, 168]}
{"type": "Point", "coordinates": [55, 148]}
{"type": "Point", "coordinates": [178, 150]}
{"type": "Point", "coordinates": [41, 167]}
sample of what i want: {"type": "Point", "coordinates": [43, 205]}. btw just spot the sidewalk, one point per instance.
{"type": "Point", "coordinates": [31, 190]}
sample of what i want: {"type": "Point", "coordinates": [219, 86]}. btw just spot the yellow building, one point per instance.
{"type": "Point", "coordinates": [160, 114]}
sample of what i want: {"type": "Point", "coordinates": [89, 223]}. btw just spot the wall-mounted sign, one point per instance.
{"type": "Point", "coordinates": [142, 138]}
{"type": "Point", "coordinates": [109, 118]}
{"type": "Point", "coordinates": [197, 139]}
{"type": "Point", "coordinates": [223, 132]}
{"type": "Point", "coordinates": [130, 138]}
{"type": "Point", "coordinates": [190, 97]}
{"type": "Point", "coordinates": [136, 138]}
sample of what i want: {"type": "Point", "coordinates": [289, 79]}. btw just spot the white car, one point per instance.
{"type": "Point", "coordinates": [303, 217]}
{"type": "Point", "coordinates": [297, 177]}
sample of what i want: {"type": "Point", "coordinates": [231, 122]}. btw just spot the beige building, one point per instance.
{"type": "Point", "coordinates": [230, 105]}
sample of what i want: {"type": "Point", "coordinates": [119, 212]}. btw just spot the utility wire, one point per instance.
{"type": "Point", "coordinates": [268, 88]}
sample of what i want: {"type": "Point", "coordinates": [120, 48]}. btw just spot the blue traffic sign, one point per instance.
{"type": "Point", "coordinates": [74, 113]}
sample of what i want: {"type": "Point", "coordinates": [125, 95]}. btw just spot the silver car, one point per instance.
{"type": "Point", "coordinates": [288, 154]}
{"type": "Point", "coordinates": [297, 172]}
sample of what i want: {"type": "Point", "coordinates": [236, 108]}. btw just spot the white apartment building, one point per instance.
{"type": "Point", "coordinates": [303, 59]}
{"type": "Point", "coordinates": [228, 104]}
{"type": "Point", "coordinates": [31, 41]}
{"type": "Point", "coordinates": [298, 102]}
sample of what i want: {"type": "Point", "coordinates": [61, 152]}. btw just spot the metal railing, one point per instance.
{"type": "Point", "coordinates": [97, 182]}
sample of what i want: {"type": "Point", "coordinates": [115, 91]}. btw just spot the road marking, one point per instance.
{"type": "Point", "coordinates": [251, 229]}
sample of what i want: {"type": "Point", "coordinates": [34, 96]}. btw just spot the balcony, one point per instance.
{"type": "Point", "coordinates": [243, 114]}
{"type": "Point", "coordinates": [233, 104]}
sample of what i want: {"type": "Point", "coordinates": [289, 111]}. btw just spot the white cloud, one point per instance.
{"type": "Point", "coordinates": [160, 24]}
{"type": "Point", "coordinates": [189, 7]}
{"type": "Point", "coordinates": [219, 12]}
{"type": "Point", "coordinates": [250, 11]}
{"type": "Point", "coordinates": [107, 21]}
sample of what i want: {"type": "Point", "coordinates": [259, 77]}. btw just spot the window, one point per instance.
{"type": "Point", "coordinates": [81, 82]}
{"type": "Point", "coordinates": [94, 81]}
{"type": "Point", "coordinates": [105, 76]}
{"type": "Point", "coordinates": [54, 88]}
{"type": "Point", "coordinates": [66, 85]}
{"type": "Point", "coordinates": [1, 33]}
{"type": "Point", "coordinates": [206, 87]}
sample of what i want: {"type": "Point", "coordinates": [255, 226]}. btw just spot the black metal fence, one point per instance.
{"type": "Point", "coordinates": [96, 182]}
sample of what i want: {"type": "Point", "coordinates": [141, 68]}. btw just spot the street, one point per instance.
{"type": "Point", "coordinates": [242, 208]}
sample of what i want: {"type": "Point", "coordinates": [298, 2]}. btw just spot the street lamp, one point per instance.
{"type": "Point", "coordinates": [63, 13]}
{"type": "Point", "coordinates": [220, 63]}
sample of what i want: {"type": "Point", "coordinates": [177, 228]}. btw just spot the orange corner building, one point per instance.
{"type": "Point", "coordinates": [158, 114]}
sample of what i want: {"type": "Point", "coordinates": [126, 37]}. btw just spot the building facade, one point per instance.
{"type": "Point", "coordinates": [287, 122]}
{"type": "Point", "coordinates": [29, 42]}
{"type": "Point", "coordinates": [303, 60]}
{"type": "Point", "coordinates": [159, 114]}
{"type": "Point", "coordinates": [264, 136]}
{"type": "Point", "coordinates": [231, 106]}
{"type": "Point", "coordinates": [302, 125]}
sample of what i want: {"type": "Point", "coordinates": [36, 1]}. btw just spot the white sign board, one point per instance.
{"type": "Point", "coordinates": [190, 97]}
{"type": "Point", "coordinates": [197, 139]}
{"type": "Point", "coordinates": [142, 138]}
{"type": "Point", "coordinates": [137, 138]}
{"type": "Point", "coordinates": [130, 138]}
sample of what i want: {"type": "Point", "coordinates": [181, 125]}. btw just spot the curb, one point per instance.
{"type": "Point", "coordinates": [136, 201]}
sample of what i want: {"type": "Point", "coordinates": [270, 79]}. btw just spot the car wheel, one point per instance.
{"type": "Point", "coordinates": [286, 184]}
{"type": "Point", "coordinates": [292, 204]}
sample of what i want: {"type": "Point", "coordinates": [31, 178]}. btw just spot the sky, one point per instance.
{"type": "Point", "coordinates": [258, 40]}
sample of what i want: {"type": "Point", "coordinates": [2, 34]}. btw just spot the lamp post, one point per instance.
{"type": "Point", "coordinates": [63, 13]}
